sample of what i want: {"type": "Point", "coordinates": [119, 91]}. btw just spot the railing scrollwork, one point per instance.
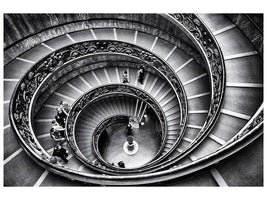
{"type": "Point", "coordinates": [103, 92]}
{"type": "Point", "coordinates": [212, 54]}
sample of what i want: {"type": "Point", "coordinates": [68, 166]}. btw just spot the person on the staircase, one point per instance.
{"type": "Point", "coordinates": [140, 75]}
{"type": "Point", "coordinates": [125, 77]}
{"type": "Point", "coordinates": [57, 132]}
{"type": "Point", "coordinates": [61, 152]}
{"type": "Point", "coordinates": [121, 164]}
{"type": "Point", "coordinates": [129, 129]}
{"type": "Point", "coordinates": [62, 113]}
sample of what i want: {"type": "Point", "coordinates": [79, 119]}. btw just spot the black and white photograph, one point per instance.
{"type": "Point", "coordinates": [169, 99]}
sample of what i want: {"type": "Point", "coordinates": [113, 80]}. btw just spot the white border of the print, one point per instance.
{"type": "Point", "coordinates": [123, 6]}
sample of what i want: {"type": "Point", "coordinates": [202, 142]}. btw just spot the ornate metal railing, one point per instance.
{"type": "Point", "coordinates": [23, 99]}
{"type": "Point", "coordinates": [242, 139]}
{"type": "Point", "coordinates": [207, 44]}
{"type": "Point", "coordinates": [104, 92]}
{"type": "Point", "coordinates": [80, 67]}
{"type": "Point", "coordinates": [104, 124]}
{"type": "Point", "coordinates": [33, 79]}
{"type": "Point", "coordinates": [100, 128]}
{"type": "Point", "coordinates": [86, 22]}
{"type": "Point", "coordinates": [252, 124]}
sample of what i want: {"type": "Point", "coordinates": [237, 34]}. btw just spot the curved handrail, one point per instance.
{"type": "Point", "coordinates": [165, 71]}
{"type": "Point", "coordinates": [242, 139]}
{"type": "Point", "coordinates": [103, 125]}
{"type": "Point", "coordinates": [207, 44]}
{"type": "Point", "coordinates": [23, 98]}
{"type": "Point", "coordinates": [81, 66]}
{"type": "Point", "coordinates": [242, 136]}
{"type": "Point", "coordinates": [99, 130]}
{"type": "Point", "coordinates": [99, 93]}
{"type": "Point", "coordinates": [81, 49]}
{"type": "Point", "coordinates": [115, 24]}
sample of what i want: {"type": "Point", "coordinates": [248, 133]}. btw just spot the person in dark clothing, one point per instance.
{"type": "Point", "coordinates": [121, 164]}
{"type": "Point", "coordinates": [60, 120]}
{"type": "Point", "coordinates": [61, 152]}
{"type": "Point", "coordinates": [125, 77]}
{"type": "Point", "coordinates": [62, 113]}
{"type": "Point", "coordinates": [129, 129]}
{"type": "Point", "coordinates": [57, 131]}
{"type": "Point", "coordinates": [130, 144]}
{"type": "Point", "coordinates": [140, 75]}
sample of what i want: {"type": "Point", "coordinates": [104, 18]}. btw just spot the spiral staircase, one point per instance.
{"type": "Point", "coordinates": [203, 81]}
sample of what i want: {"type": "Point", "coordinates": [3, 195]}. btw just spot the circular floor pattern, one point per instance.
{"type": "Point", "coordinates": [130, 151]}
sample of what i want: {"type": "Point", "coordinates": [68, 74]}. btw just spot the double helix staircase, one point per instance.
{"type": "Point", "coordinates": [200, 139]}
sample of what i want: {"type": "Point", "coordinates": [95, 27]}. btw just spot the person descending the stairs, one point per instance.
{"type": "Point", "coordinates": [129, 129]}
{"type": "Point", "coordinates": [60, 152]}
{"type": "Point", "coordinates": [62, 113]}
{"type": "Point", "coordinates": [140, 75]}
{"type": "Point", "coordinates": [57, 132]}
{"type": "Point", "coordinates": [121, 164]}
{"type": "Point", "coordinates": [125, 77]}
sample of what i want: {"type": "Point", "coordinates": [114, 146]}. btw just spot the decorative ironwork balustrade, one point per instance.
{"type": "Point", "coordinates": [104, 92]}
{"type": "Point", "coordinates": [212, 54]}
{"type": "Point", "coordinates": [24, 96]}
